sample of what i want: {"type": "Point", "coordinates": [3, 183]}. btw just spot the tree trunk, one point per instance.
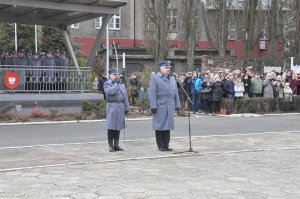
{"type": "Point", "coordinates": [156, 35]}
{"type": "Point", "coordinates": [190, 16]}
{"type": "Point", "coordinates": [223, 27]}
{"type": "Point", "coordinates": [207, 29]}
{"type": "Point", "coordinates": [162, 30]}
{"type": "Point", "coordinates": [250, 27]}
{"type": "Point", "coordinates": [190, 8]}
{"type": "Point", "coordinates": [297, 17]}
{"type": "Point", "coordinates": [191, 54]}
{"type": "Point", "coordinates": [273, 33]}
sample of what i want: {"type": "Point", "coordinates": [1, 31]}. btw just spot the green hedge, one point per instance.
{"type": "Point", "coordinates": [262, 105]}
{"type": "Point", "coordinates": [93, 109]}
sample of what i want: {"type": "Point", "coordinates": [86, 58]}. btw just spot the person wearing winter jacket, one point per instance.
{"type": "Point", "coordinates": [278, 87]}
{"type": "Point", "coordinates": [216, 97]}
{"type": "Point", "coordinates": [191, 83]}
{"type": "Point", "coordinates": [198, 88]}
{"type": "Point", "coordinates": [287, 93]}
{"type": "Point", "coordinates": [294, 83]}
{"type": "Point", "coordinates": [229, 85]}
{"type": "Point", "coordinates": [256, 86]}
{"type": "Point", "coordinates": [206, 95]}
{"type": "Point", "coordinates": [238, 92]}
{"type": "Point", "coordinates": [247, 84]}
{"type": "Point", "coordinates": [268, 84]}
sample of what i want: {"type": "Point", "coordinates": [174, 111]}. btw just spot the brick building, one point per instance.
{"type": "Point", "coordinates": [127, 30]}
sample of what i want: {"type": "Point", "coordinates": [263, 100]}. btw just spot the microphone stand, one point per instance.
{"type": "Point", "coordinates": [189, 116]}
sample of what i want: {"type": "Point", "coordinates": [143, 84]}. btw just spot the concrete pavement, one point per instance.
{"type": "Point", "coordinates": [262, 165]}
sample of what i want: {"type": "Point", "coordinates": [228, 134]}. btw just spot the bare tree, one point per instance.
{"type": "Point", "coordinates": [251, 12]}
{"type": "Point", "coordinates": [222, 28]}
{"type": "Point", "coordinates": [273, 32]}
{"type": "Point", "coordinates": [292, 28]}
{"type": "Point", "coordinates": [191, 24]}
{"type": "Point", "coordinates": [156, 28]}
{"type": "Point", "coordinates": [206, 26]}
{"type": "Point", "coordinates": [218, 19]}
{"type": "Point", "coordinates": [297, 39]}
{"type": "Point", "coordinates": [223, 17]}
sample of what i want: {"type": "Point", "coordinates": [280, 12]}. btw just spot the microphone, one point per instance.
{"type": "Point", "coordinates": [175, 74]}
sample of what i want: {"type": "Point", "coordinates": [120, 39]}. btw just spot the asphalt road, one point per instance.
{"type": "Point", "coordinates": [41, 134]}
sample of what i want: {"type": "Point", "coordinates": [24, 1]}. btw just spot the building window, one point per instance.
{"type": "Point", "coordinates": [98, 22]}
{"type": "Point", "coordinates": [232, 31]}
{"type": "Point", "coordinates": [172, 20]}
{"type": "Point", "coordinates": [114, 23]}
{"type": "Point", "coordinates": [75, 26]}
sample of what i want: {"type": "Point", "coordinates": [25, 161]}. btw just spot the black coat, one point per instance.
{"type": "Point", "coordinates": [217, 91]}
{"type": "Point", "coordinates": [206, 91]}
{"type": "Point", "coordinates": [181, 93]}
{"type": "Point", "coordinates": [247, 84]}
{"type": "Point", "coordinates": [101, 82]}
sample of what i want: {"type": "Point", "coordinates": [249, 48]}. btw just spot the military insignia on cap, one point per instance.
{"type": "Point", "coordinates": [166, 63]}
{"type": "Point", "coordinates": [113, 71]}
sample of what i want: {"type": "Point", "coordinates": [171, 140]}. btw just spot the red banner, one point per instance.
{"type": "Point", "coordinates": [11, 80]}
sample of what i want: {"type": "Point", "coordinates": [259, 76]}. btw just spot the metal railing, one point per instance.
{"type": "Point", "coordinates": [46, 78]}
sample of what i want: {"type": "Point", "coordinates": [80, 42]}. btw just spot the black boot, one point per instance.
{"type": "Point", "coordinates": [116, 141]}
{"type": "Point", "coordinates": [166, 138]}
{"type": "Point", "coordinates": [110, 137]}
{"type": "Point", "coordinates": [159, 140]}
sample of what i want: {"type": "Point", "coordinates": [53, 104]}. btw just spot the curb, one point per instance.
{"type": "Point", "coordinates": [67, 122]}
{"type": "Point", "coordinates": [193, 116]}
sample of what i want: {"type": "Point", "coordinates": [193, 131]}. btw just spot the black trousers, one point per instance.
{"type": "Point", "coordinates": [216, 105]}
{"type": "Point", "coordinates": [162, 138]}
{"type": "Point", "coordinates": [113, 137]}
{"type": "Point", "coordinates": [206, 105]}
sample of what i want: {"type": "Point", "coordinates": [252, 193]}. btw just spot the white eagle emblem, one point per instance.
{"type": "Point", "coordinates": [12, 80]}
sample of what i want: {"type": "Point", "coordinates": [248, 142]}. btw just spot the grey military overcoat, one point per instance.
{"type": "Point", "coordinates": [163, 95]}
{"type": "Point", "coordinates": [117, 104]}
{"type": "Point", "coordinates": [49, 69]}
{"type": "Point", "coordinates": [22, 61]}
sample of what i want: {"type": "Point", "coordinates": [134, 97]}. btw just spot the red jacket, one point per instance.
{"type": "Point", "coordinates": [294, 84]}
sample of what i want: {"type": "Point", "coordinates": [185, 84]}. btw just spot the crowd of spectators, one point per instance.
{"type": "Point", "coordinates": [206, 89]}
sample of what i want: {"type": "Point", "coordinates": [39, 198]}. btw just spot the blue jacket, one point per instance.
{"type": "Point", "coordinates": [229, 86]}
{"type": "Point", "coordinates": [191, 84]}
{"type": "Point", "coordinates": [198, 85]}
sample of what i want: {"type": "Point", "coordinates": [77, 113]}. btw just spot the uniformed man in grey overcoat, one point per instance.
{"type": "Point", "coordinates": [22, 61]}
{"type": "Point", "coordinates": [49, 74]}
{"type": "Point", "coordinates": [62, 73]}
{"type": "Point", "coordinates": [36, 73]}
{"type": "Point", "coordinates": [164, 100]}
{"type": "Point", "coordinates": [116, 109]}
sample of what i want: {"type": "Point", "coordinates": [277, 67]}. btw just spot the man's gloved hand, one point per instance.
{"type": "Point", "coordinates": [177, 110]}
{"type": "Point", "coordinates": [117, 80]}
{"type": "Point", "coordinates": [126, 112]}
{"type": "Point", "coordinates": [154, 110]}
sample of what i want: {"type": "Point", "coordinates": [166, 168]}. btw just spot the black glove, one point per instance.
{"type": "Point", "coordinates": [177, 110]}
{"type": "Point", "coordinates": [117, 80]}
{"type": "Point", "coordinates": [126, 112]}
{"type": "Point", "coordinates": [154, 110]}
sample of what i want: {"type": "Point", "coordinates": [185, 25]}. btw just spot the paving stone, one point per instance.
{"type": "Point", "coordinates": [248, 166]}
